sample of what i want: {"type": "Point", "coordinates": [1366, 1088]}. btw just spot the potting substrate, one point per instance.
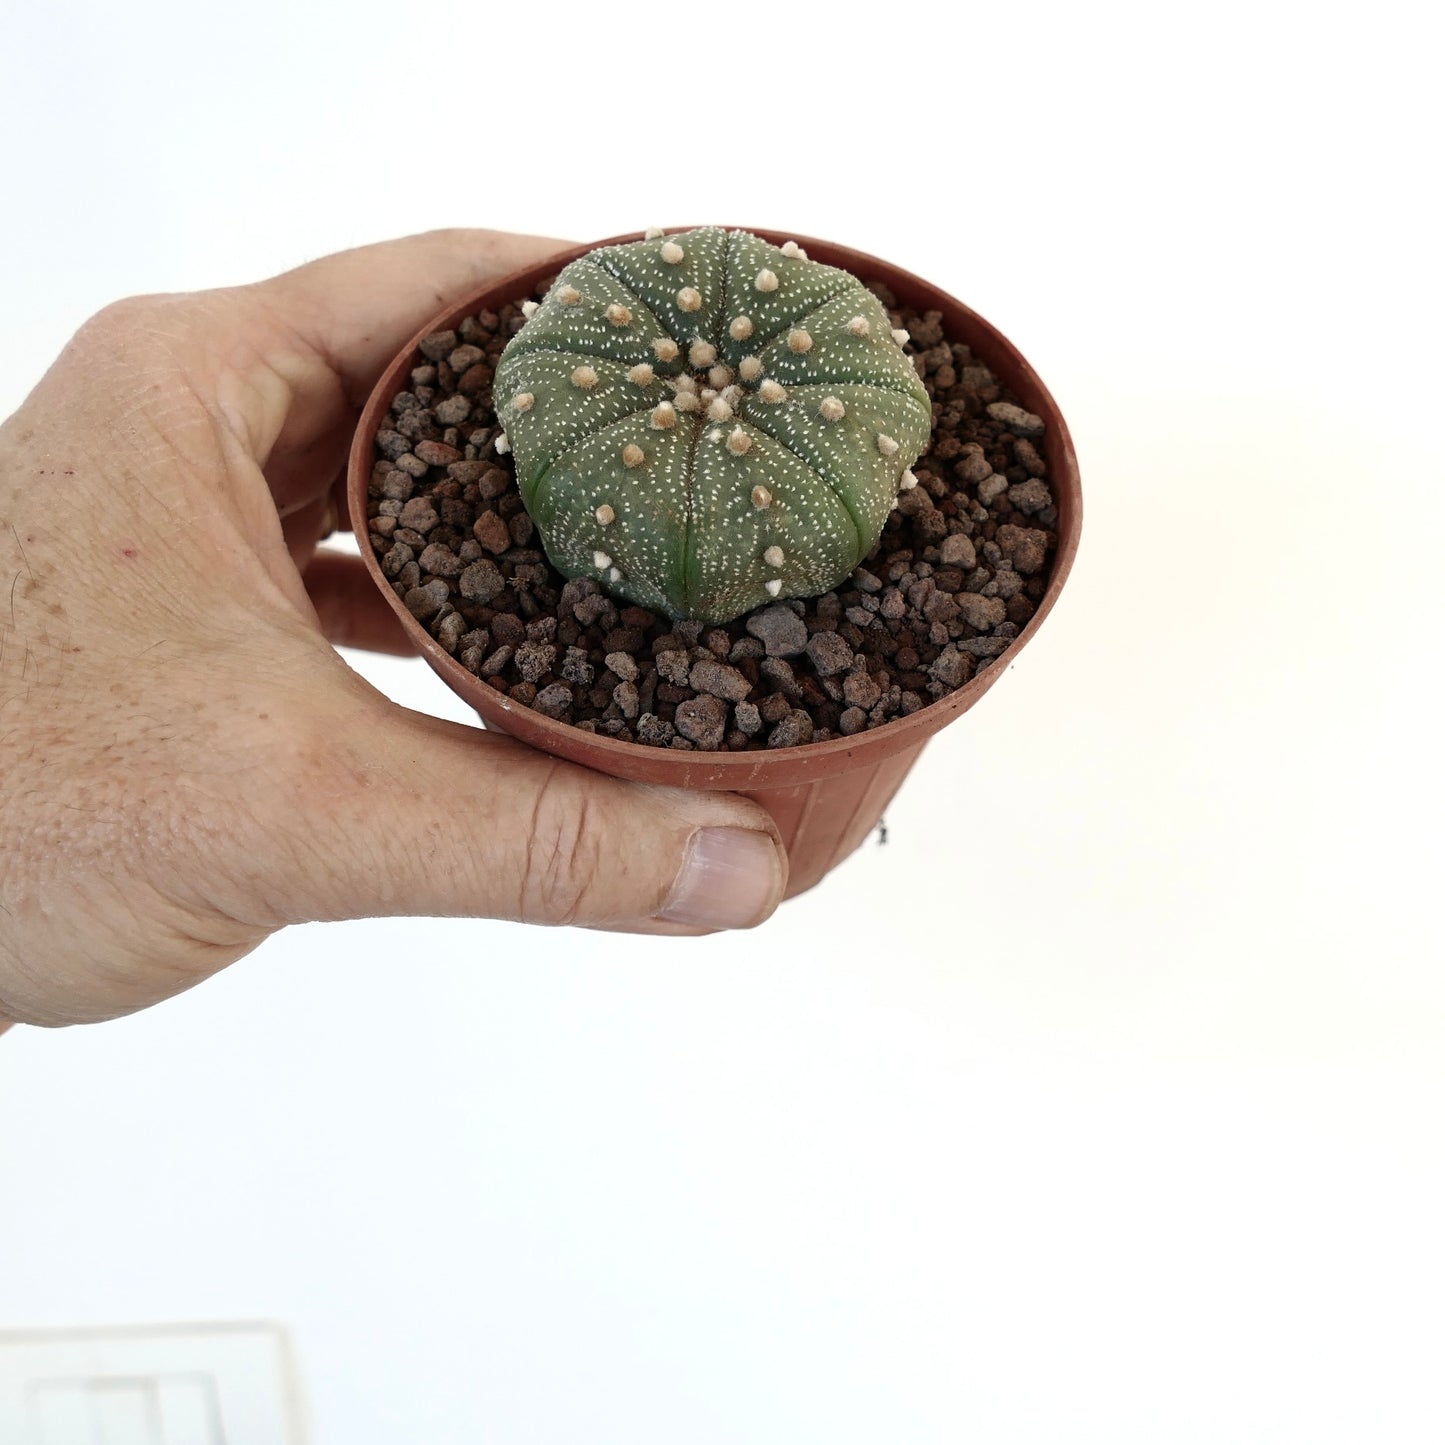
{"type": "Point", "coordinates": [962, 563]}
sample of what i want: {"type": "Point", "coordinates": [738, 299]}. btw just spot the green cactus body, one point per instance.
{"type": "Point", "coordinates": [705, 422]}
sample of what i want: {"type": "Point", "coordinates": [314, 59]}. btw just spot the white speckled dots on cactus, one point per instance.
{"type": "Point", "coordinates": [723, 420]}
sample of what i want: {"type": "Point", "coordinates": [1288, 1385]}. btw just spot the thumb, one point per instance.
{"type": "Point", "coordinates": [439, 819]}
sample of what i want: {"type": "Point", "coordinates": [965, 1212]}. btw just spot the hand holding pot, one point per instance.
{"type": "Point", "coordinates": [186, 764]}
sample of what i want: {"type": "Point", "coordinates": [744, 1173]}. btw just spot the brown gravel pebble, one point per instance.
{"type": "Point", "coordinates": [794, 728]}
{"type": "Point", "coordinates": [481, 582]}
{"type": "Point", "coordinates": [491, 531]}
{"type": "Point", "coordinates": [626, 698]}
{"type": "Point", "coordinates": [960, 569]}
{"type": "Point", "coordinates": [717, 678]}
{"type": "Point", "coordinates": [1027, 548]}
{"type": "Point", "coordinates": [702, 720]}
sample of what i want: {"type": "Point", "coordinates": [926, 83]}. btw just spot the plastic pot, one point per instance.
{"type": "Point", "coordinates": [828, 796]}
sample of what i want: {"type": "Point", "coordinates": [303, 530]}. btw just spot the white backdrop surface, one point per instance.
{"type": "Point", "coordinates": [1107, 1101]}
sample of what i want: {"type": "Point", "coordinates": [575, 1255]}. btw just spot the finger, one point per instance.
{"type": "Point", "coordinates": [654, 928]}
{"type": "Point", "coordinates": [301, 473]}
{"type": "Point", "coordinates": [330, 327]}
{"type": "Point", "coordinates": [352, 612]}
{"type": "Point", "coordinates": [426, 817]}
{"type": "Point", "coordinates": [357, 308]}
{"type": "Point", "coordinates": [305, 527]}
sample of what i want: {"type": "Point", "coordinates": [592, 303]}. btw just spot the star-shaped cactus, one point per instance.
{"type": "Point", "coordinates": [705, 422]}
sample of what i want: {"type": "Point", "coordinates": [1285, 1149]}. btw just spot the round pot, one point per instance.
{"type": "Point", "coordinates": [826, 797]}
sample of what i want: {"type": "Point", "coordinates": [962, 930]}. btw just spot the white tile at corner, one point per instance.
{"type": "Point", "coordinates": [186, 1385]}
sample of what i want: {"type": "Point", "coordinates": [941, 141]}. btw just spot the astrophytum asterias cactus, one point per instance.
{"type": "Point", "coordinates": [704, 422]}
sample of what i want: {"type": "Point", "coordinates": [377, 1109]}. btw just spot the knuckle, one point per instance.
{"type": "Point", "coordinates": [153, 323]}
{"type": "Point", "coordinates": [130, 316]}
{"type": "Point", "coordinates": [562, 860]}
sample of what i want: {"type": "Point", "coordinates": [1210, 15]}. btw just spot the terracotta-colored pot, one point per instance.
{"type": "Point", "coordinates": [826, 797]}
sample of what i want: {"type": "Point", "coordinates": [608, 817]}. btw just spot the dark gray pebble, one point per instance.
{"type": "Point", "coordinates": [984, 646]}
{"type": "Point", "coordinates": [829, 654]}
{"type": "Point", "coordinates": [453, 411]}
{"type": "Point", "coordinates": [974, 468]}
{"type": "Point", "coordinates": [395, 558]}
{"type": "Point", "coordinates": [781, 631]}
{"type": "Point", "coordinates": [950, 667]}
{"type": "Point", "coordinates": [419, 515]}
{"type": "Point", "coordinates": [398, 485]}
{"type": "Point", "coordinates": [424, 602]}
{"type": "Point", "coordinates": [437, 346]}
{"type": "Point", "coordinates": [956, 550]}
{"type": "Point", "coordinates": [391, 444]}
{"type": "Point", "coordinates": [553, 700]}
{"type": "Point", "coordinates": [590, 610]}
{"type": "Point", "coordinates": [654, 731]}
{"type": "Point", "coordinates": [779, 672]}
{"type": "Point", "coordinates": [533, 660]}
{"type": "Point", "coordinates": [1020, 422]}
{"type": "Point", "coordinates": [440, 561]}
{"type": "Point", "coordinates": [464, 356]}
{"type": "Point", "coordinates": [576, 668]}
{"type": "Point", "coordinates": [1030, 496]}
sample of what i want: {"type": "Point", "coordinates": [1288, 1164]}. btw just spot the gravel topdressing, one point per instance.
{"type": "Point", "coordinates": [962, 563]}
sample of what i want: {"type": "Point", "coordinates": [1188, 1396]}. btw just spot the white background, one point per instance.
{"type": "Point", "coordinates": [1104, 1103]}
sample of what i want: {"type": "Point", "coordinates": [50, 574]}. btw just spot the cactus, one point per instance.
{"type": "Point", "coordinates": [705, 422]}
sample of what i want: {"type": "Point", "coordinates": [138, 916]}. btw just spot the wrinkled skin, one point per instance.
{"type": "Point", "coordinates": [186, 763]}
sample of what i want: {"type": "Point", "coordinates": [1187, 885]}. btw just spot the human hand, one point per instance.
{"type": "Point", "coordinates": [186, 764]}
